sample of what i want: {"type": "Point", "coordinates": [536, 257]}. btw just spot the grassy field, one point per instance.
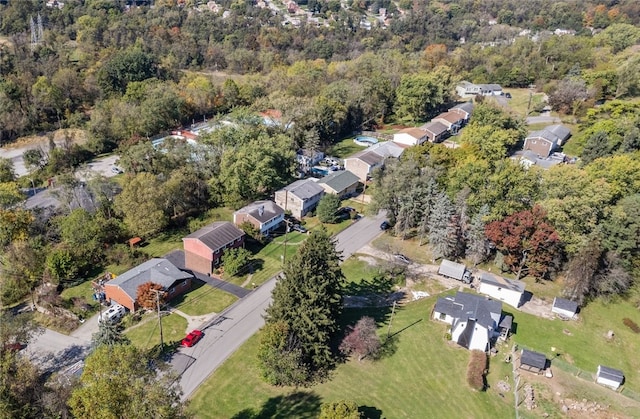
{"type": "Point", "coordinates": [424, 377]}
{"type": "Point", "coordinates": [146, 334]}
{"type": "Point", "coordinates": [519, 102]}
{"type": "Point", "coordinates": [203, 299]}
{"type": "Point", "coordinates": [344, 148]}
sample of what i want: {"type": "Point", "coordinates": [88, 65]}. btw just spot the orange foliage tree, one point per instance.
{"type": "Point", "coordinates": [147, 297]}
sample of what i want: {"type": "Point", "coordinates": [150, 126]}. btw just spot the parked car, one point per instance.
{"type": "Point", "coordinates": [402, 258]}
{"type": "Point", "coordinates": [116, 170]}
{"type": "Point", "coordinates": [507, 95]}
{"type": "Point", "coordinates": [385, 225]}
{"type": "Point", "coordinates": [299, 228]}
{"type": "Point", "coordinates": [192, 338]}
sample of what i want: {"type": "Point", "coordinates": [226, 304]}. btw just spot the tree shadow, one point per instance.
{"type": "Point", "coordinates": [299, 404]}
{"type": "Point", "coordinates": [195, 284]}
{"type": "Point", "coordinates": [370, 412]}
{"type": "Point", "coordinates": [379, 284]}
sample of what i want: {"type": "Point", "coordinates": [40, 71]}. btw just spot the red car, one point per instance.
{"type": "Point", "coordinates": [192, 338]}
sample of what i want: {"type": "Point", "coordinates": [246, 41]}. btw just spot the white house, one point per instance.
{"type": "Point", "coordinates": [564, 307]}
{"type": "Point", "coordinates": [265, 216]}
{"type": "Point", "coordinates": [410, 136]}
{"type": "Point", "coordinates": [510, 291]}
{"type": "Point", "coordinates": [475, 320]}
{"type": "Point", "coordinates": [609, 377]}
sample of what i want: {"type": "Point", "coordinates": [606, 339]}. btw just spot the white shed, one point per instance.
{"type": "Point", "coordinates": [510, 291]}
{"type": "Point", "coordinates": [564, 307]}
{"type": "Point", "coordinates": [609, 377]}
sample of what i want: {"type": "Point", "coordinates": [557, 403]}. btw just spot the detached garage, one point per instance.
{"type": "Point", "coordinates": [609, 377]}
{"type": "Point", "coordinates": [565, 308]}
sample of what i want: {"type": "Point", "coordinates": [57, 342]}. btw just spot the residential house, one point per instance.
{"type": "Point", "coordinates": [532, 361]}
{"type": "Point", "coordinates": [609, 377]}
{"type": "Point", "coordinates": [410, 136]}
{"type": "Point", "coordinates": [306, 159]}
{"type": "Point", "coordinates": [265, 216]}
{"type": "Point", "coordinates": [467, 89]}
{"type": "Point", "coordinates": [510, 291]}
{"type": "Point", "coordinates": [342, 183]}
{"type": "Point", "coordinates": [300, 197]}
{"type": "Point", "coordinates": [548, 139]}
{"type": "Point", "coordinates": [363, 163]}
{"type": "Point", "coordinates": [123, 289]}
{"type": "Point", "coordinates": [452, 120]}
{"type": "Point", "coordinates": [436, 131]}
{"type": "Point", "coordinates": [565, 308]}
{"type": "Point", "coordinates": [463, 109]}
{"type": "Point", "coordinates": [490, 90]}
{"type": "Point", "coordinates": [474, 319]}
{"type": "Point", "coordinates": [204, 248]}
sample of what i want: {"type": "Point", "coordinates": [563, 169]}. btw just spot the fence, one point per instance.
{"type": "Point", "coordinates": [378, 135]}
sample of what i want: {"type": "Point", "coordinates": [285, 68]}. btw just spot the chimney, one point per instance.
{"type": "Point", "coordinates": [261, 210]}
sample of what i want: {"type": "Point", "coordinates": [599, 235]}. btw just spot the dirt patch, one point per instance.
{"type": "Point", "coordinates": [371, 261]}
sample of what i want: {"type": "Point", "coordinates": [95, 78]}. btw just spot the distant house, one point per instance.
{"type": "Point", "coordinates": [300, 197]}
{"type": "Point", "coordinates": [452, 120]}
{"type": "Point", "coordinates": [306, 158]}
{"type": "Point", "coordinates": [204, 248]}
{"type": "Point", "coordinates": [454, 270]}
{"type": "Point", "coordinates": [609, 377]}
{"type": "Point", "coordinates": [510, 291]}
{"type": "Point", "coordinates": [436, 131]}
{"type": "Point", "coordinates": [564, 307]}
{"type": "Point", "coordinates": [342, 183]}
{"type": "Point", "coordinates": [363, 163]}
{"type": "Point", "coordinates": [548, 139]}
{"type": "Point", "coordinates": [410, 136]}
{"type": "Point", "coordinates": [265, 216]}
{"type": "Point", "coordinates": [490, 90]}
{"type": "Point", "coordinates": [463, 109]}
{"type": "Point", "coordinates": [467, 89]}
{"type": "Point", "coordinates": [124, 288]}
{"type": "Point", "coordinates": [475, 320]}
{"type": "Point", "coordinates": [532, 361]}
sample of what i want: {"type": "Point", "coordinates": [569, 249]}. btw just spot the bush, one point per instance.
{"type": "Point", "coordinates": [343, 409]}
{"type": "Point", "coordinates": [476, 370]}
{"type": "Point", "coordinates": [631, 324]}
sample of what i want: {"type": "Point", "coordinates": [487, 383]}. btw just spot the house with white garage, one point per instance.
{"type": "Point", "coordinates": [475, 320]}
{"type": "Point", "coordinates": [510, 291]}
{"type": "Point", "coordinates": [609, 377]}
{"type": "Point", "coordinates": [410, 136]}
{"type": "Point", "coordinates": [264, 216]}
{"type": "Point", "coordinates": [565, 308]}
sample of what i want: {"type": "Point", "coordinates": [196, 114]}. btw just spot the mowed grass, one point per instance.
{"type": "Point", "coordinates": [583, 343]}
{"type": "Point", "coordinates": [344, 148]}
{"type": "Point", "coordinates": [424, 377]}
{"type": "Point", "coordinates": [203, 299]}
{"type": "Point", "coordinates": [519, 102]}
{"type": "Point", "coordinates": [146, 334]}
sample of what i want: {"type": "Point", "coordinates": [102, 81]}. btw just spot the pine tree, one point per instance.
{"type": "Point", "coordinates": [443, 232]}
{"type": "Point", "coordinates": [308, 301]}
{"type": "Point", "coordinates": [477, 245]}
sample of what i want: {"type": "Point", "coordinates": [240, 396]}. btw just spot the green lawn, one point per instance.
{"type": "Point", "coordinates": [409, 247]}
{"type": "Point", "coordinates": [520, 101]}
{"type": "Point", "coordinates": [146, 334]}
{"type": "Point", "coordinates": [164, 243]}
{"type": "Point", "coordinates": [203, 299]}
{"type": "Point", "coordinates": [344, 148]}
{"type": "Point", "coordinates": [425, 377]}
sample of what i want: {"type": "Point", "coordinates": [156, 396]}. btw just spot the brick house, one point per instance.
{"type": "Point", "coordinates": [548, 139]}
{"type": "Point", "coordinates": [300, 197]}
{"type": "Point", "coordinates": [342, 183]}
{"type": "Point", "coordinates": [204, 248]}
{"type": "Point", "coordinates": [436, 131]}
{"type": "Point", "coordinates": [124, 288]}
{"type": "Point", "coordinates": [363, 163]}
{"type": "Point", "coordinates": [263, 215]}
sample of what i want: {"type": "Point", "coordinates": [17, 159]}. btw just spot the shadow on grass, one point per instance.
{"type": "Point", "coordinates": [380, 284]}
{"type": "Point", "coordinates": [370, 412]}
{"type": "Point", "coordinates": [195, 284]}
{"type": "Point", "coordinates": [299, 404]}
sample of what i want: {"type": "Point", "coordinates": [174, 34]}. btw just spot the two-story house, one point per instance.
{"type": "Point", "coordinates": [204, 248]}
{"type": "Point", "coordinates": [265, 216]}
{"type": "Point", "coordinates": [300, 197]}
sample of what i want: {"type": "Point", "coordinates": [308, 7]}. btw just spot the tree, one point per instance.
{"type": "Point", "coordinates": [327, 208]}
{"type": "Point", "coordinates": [418, 95]}
{"type": "Point", "coordinates": [280, 356]}
{"type": "Point", "coordinates": [342, 409]}
{"type": "Point", "coordinates": [619, 36]}
{"type": "Point", "coordinates": [443, 237]}
{"type": "Point", "coordinates": [118, 381]}
{"type": "Point", "coordinates": [142, 204]}
{"type": "Point", "coordinates": [477, 246]}
{"type": "Point", "coordinates": [307, 300]}
{"type": "Point", "coordinates": [7, 172]}
{"type": "Point", "coordinates": [234, 260]}
{"type": "Point", "coordinates": [147, 295]}
{"type": "Point", "coordinates": [528, 242]}
{"type": "Point", "coordinates": [569, 95]}
{"type": "Point", "coordinates": [126, 66]}
{"type": "Point", "coordinates": [362, 339]}
{"type": "Point", "coordinates": [109, 334]}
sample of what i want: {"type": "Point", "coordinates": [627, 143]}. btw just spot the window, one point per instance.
{"type": "Point", "coordinates": [443, 316]}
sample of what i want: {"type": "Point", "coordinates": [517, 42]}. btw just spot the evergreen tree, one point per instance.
{"type": "Point", "coordinates": [327, 208]}
{"type": "Point", "coordinates": [307, 300]}
{"type": "Point", "coordinates": [477, 246]}
{"type": "Point", "coordinates": [109, 334]}
{"type": "Point", "coordinates": [443, 233]}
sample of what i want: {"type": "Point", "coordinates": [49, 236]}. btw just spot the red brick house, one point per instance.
{"type": "Point", "coordinates": [204, 248]}
{"type": "Point", "coordinates": [123, 289]}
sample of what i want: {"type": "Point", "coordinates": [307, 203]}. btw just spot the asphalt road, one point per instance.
{"type": "Point", "coordinates": [227, 332]}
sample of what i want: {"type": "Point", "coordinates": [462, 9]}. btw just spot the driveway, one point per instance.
{"type": "Point", "coordinates": [543, 118]}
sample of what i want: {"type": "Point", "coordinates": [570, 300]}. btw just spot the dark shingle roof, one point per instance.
{"type": "Point", "coordinates": [470, 306]}
{"type": "Point", "coordinates": [560, 131]}
{"type": "Point", "coordinates": [156, 270]}
{"type": "Point", "coordinates": [217, 235]}
{"type": "Point", "coordinates": [610, 374]}
{"type": "Point", "coordinates": [544, 134]}
{"type": "Point", "coordinates": [533, 359]}
{"type": "Point", "coordinates": [262, 211]}
{"type": "Point", "coordinates": [339, 181]}
{"type": "Point", "coordinates": [501, 282]}
{"type": "Point", "coordinates": [304, 189]}
{"type": "Point", "coordinates": [565, 304]}
{"type": "Point", "coordinates": [434, 127]}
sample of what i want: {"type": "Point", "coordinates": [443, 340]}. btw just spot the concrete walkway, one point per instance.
{"type": "Point", "coordinates": [193, 322]}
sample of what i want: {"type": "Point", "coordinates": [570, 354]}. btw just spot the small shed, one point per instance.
{"type": "Point", "coordinates": [609, 377]}
{"type": "Point", "coordinates": [564, 307]}
{"type": "Point", "coordinates": [532, 361]}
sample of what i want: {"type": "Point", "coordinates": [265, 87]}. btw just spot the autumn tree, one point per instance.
{"type": "Point", "coordinates": [530, 244]}
{"type": "Point", "coordinates": [148, 295]}
{"type": "Point", "coordinates": [419, 95]}
{"type": "Point", "coordinates": [362, 339]}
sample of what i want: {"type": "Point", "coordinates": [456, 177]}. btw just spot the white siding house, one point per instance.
{"type": "Point", "coordinates": [410, 136]}
{"type": "Point", "coordinates": [508, 290]}
{"type": "Point", "coordinates": [609, 377]}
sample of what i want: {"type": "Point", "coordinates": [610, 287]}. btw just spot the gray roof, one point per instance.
{"type": "Point", "coordinates": [377, 153]}
{"type": "Point", "coordinates": [466, 306]}
{"type": "Point", "coordinates": [304, 189]}
{"type": "Point", "coordinates": [466, 336]}
{"type": "Point", "coordinates": [157, 270]}
{"type": "Point", "coordinates": [452, 269]}
{"type": "Point", "coordinates": [544, 134]}
{"type": "Point", "coordinates": [506, 322]}
{"type": "Point", "coordinates": [217, 235]}
{"type": "Point", "coordinates": [501, 282]}
{"type": "Point", "coordinates": [339, 181]}
{"type": "Point", "coordinates": [610, 374]}
{"type": "Point", "coordinates": [492, 87]}
{"type": "Point", "coordinates": [262, 211]}
{"type": "Point", "coordinates": [466, 106]}
{"type": "Point", "coordinates": [533, 359]}
{"type": "Point", "coordinates": [434, 127]}
{"type": "Point", "coordinates": [560, 131]}
{"type": "Point", "coordinates": [564, 304]}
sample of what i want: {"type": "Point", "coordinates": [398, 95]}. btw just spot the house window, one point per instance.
{"type": "Point", "coordinates": [443, 316]}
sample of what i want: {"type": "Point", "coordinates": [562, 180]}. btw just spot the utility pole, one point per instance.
{"type": "Point", "coordinates": [393, 311]}
{"type": "Point", "coordinates": [286, 229]}
{"type": "Point", "coordinates": [159, 317]}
